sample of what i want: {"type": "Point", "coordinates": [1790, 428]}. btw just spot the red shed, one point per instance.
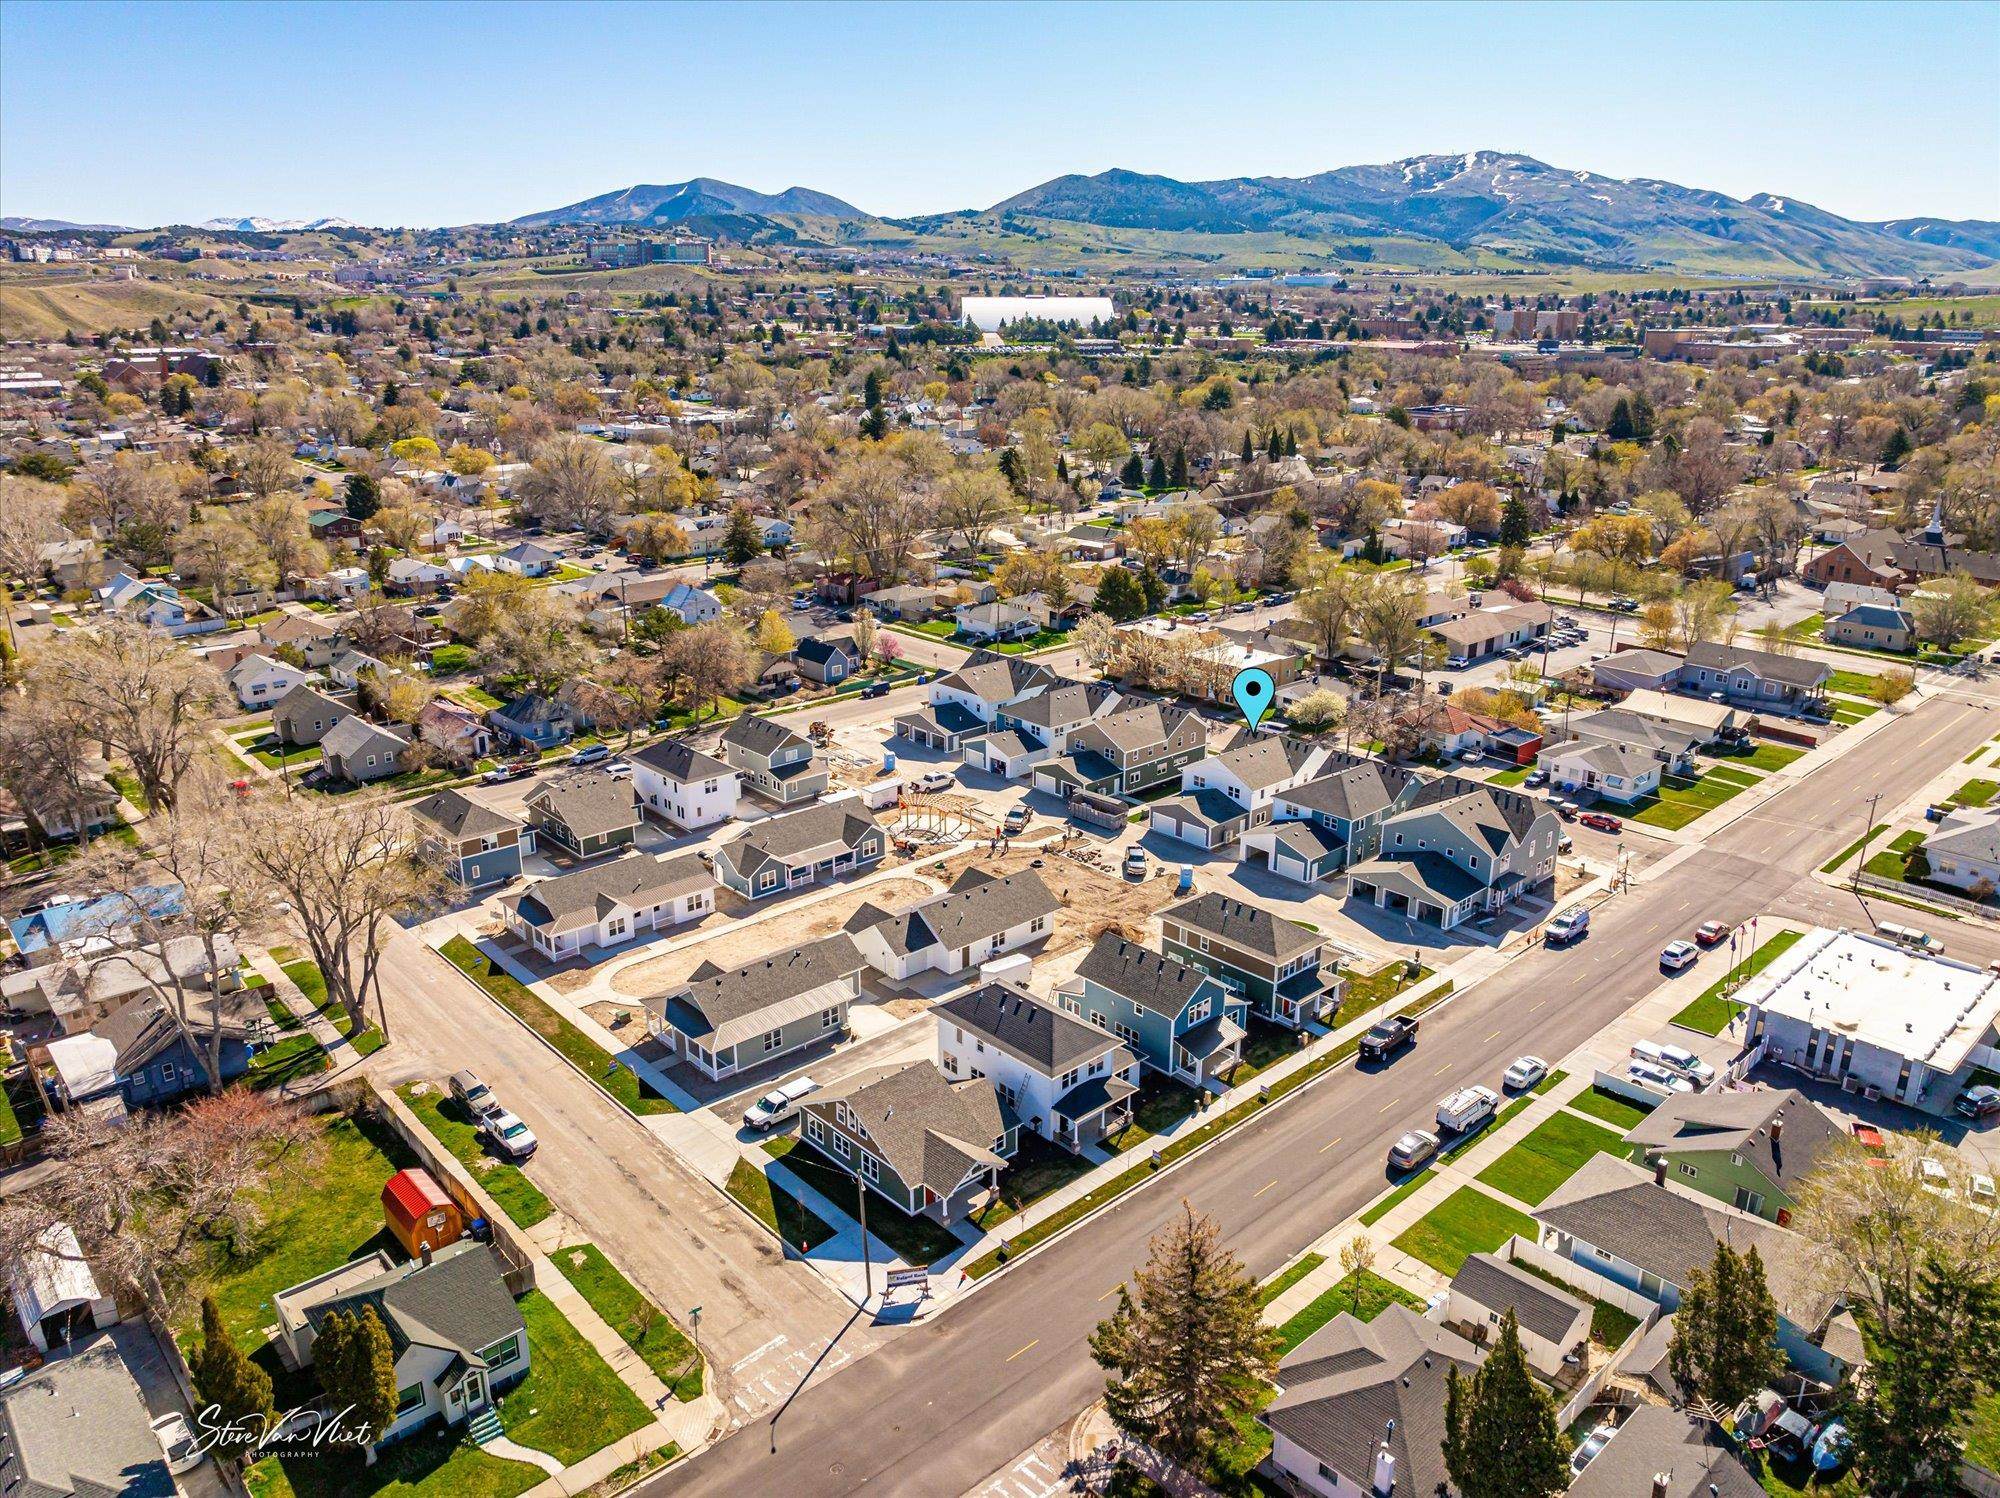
{"type": "Point", "coordinates": [419, 1213]}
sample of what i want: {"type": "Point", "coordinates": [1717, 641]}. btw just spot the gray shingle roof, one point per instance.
{"type": "Point", "coordinates": [1013, 1019]}
{"type": "Point", "coordinates": [78, 1426]}
{"type": "Point", "coordinates": [678, 760]}
{"type": "Point", "coordinates": [1483, 812]}
{"type": "Point", "coordinates": [570, 902]}
{"type": "Point", "coordinates": [1142, 724]}
{"type": "Point", "coordinates": [1739, 1123]}
{"type": "Point", "coordinates": [931, 1131]}
{"type": "Point", "coordinates": [1540, 1307]}
{"type": "Point", "coordinates": [1343, 1385]}
{"type": "Point", "coordinates": [720, 1008]}
{"type": "Point", "coordinates": [1793, 670]}
{"type": "Point", "coordinates": [590, 803]}
{"type": "Point", "coordinates": [1351, 792]}
{"type": "Point", "coordinates": [1250, 927]}
{"type": "Point", "coordinates": [1655, 1441]}
{"type": "Point", "coordinates": [841, 823]}
{"type": "Point", "coordinates": [1264, 761]}
{"type": "Point", "coordinates": [761, 736]}
{"type": "Point", "coordinates": [1163, 984]}
{"type": "Point", "coordinates": [997, 678]}
{"type": "Point", "coordinates": [458, 1301]}
{"type": "Point", "coordinates": [1063, 705]}
{"type": "Point", "coordinates": [461, 816]}
{"type": "Point", "coordinates": [978, 906]}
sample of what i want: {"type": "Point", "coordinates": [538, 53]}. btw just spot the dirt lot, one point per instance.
{"type": "Point", "coordinates": [1568, 877]}
{"type": "Point", "coordinates": [733, 946]}
{"type": "Point", "coordinates": [1091, 897]}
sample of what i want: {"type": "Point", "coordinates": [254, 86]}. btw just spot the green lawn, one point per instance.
{"type": "Point", "coordinates": [1853, 683]}
{"type": "Point", "coordinates": [1608, 1106]}
{"type": "Point", "coordinates": [1680, 802]}
{"type": "Point", "coordinates": [1363, 1295]}
{"type": "Point", "coordinates": [453, 1128]}
{"type": "Point", "coordinates": [937, 629]}
{"type": "Point", "coordinates": [647, 1329]}
{"type": "Point", "coordinates": [1264, 1046]}
{"type": "Point", "coordinates": [1465, 1223]}
{"type": "Point", "coordinates": [1510, 777]}
{"type": "Point", "coordinates": [571, 1403]}
{"type": "Point", "coordinates": [295, 1054]}
{"type": "Point", "coordinates": [1975, 793]}
{"type": "Point", "coordinates": [1382, 1208]}
{"type": "Point", "coordinates": [1893, 862]}
{"type": "Point", "coordinates": [1853, 712]}
{"type": "Point", "coordinates": [306, 976]}
{"type": "Point", "coordinates": [273, 756]}
{"type": "Point", "coordinates": [1038, 1168]}
{"type": "Point", "coordinates": [1278, 1284]}
{"type": "Point", "coordinates": [1556, 1149]}
{"type": "Point", "coordinates": [1759, 757]}
{"type": "Point", "coordinates": [796, 1225]}
{"type": "Point", "coordinates": [1853, 848]}
{"type": "Point", "coordinates": [10, 1123]}
{"type": "Point", "coordinates": [1551, 1082]}
{"type": "Point", "coordinates": [435, 1464]}
{"type": "Point", "coordinates": [1730, 775]}
{"type": "Point", "coordinates": [1041, 639]}
{"type": "Point", "coordinates": [1365, 991]}
{"type": "Point", "coordinates": [590, 1058]}
{"type": "Point", "coordinates": [1609, 1326]}
{"type": "Point", "coordinates": [1162, 1103]}
{"type": "Point", "coordinates": [1711, 1013]}
{"type": "Point", "coordinates": [915, 1240]}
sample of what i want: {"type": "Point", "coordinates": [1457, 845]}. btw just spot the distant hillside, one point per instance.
{"type": "Point", "coordinates": [699, 198]}
{"type": "Point", "coordinates": [16, 225]}
{"type": "Point", "coordinates": [274, 225]}
{"type": "Point", "coordinates": [1520, 208]}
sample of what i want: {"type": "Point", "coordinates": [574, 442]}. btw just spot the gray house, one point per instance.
{"type": "Point", "coordinates": [77, 1427]}
{"type": "Point", "coordinates": [1759, 676]}
{"type": "Point", "coordinates": [359, 751]}
{"type": "Point", "coordinates": [1180, 1020]}
{"type": "Point", "coordinates": [1067, 1081]}
{"type": "Point", "coordinates": [1273, 962]}
{"type": "Point", "coordinates": [827, 661]}
{"type": "Point", "coordinates": [305, 715]}
{"type": "Point", "coordinates": [1459, 849]}
{"type": "Point", "coordinates": [802, 847]}
{"type": "Point", "coordinates": [476, 844]}
{"type": "Point", "coordinates": [587, 814]}
{"type": "Point", "coordinates": [722, 1023]}
{"type": "Point", "coordinates": [773, 759]}
{"type": "Point", "coordinates": [1139, 744]}
{"type": "Point", "coordinates": [534, 722]}
{"type": "Point", "coordinates": [927, 1145]}
{"type": "Point", "coordinates": [1873, 627]}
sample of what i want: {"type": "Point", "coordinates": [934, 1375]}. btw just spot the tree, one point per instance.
{"type": "Point", "coordinates": [1096, 636]}
{"type": "Point", "coordinates": [1501, 1436]}
{"type": "Point", "coordinates": [1189, 1355]}
{"type": "Point", "coordinates": [30, 519]}
{"type": "Point", "coordinates": [1329, 598]}
{"type": "Point", "coordinates": [1926, 1371]}
{"type": "Point", "coordinates": [971, 501]}
{"type": "Point", "coordinates": [1893, 685]}
{"type": "Point", "coordinates": [362, 496]}
{"type": "Point", "coordinates": [356, 1365]}
{"type": "Point", "coordinates": [706, 663]}
{"type": "Point", "coordinates": [870, 516]}
{"type": "Point", "coordinates": [867, 634]}
{"type": "Point", "coordinates": [1517, 527]}
{"type": "Point", "coordinates": [571, 485]}
{"type": "Point", "coordinates": [538, 636]}
{"type": "Point", "coordinates": [1386, 620]}
{"type": "Point", "coordinates": [1319, 709]}
{"type": "Point", "coordinates": [1724, 1346]}
{"type": "Point", "coordinates": [1950, 609]}
{"type": "Point", "coordinates": [227, 1379]}
{"type": "Point", "coordinates": [742, 541]}
{"type": "Point", "coordinates": [774, 636]}
{"type": "Point", "coordinates": [654, 536]}
{"type": "Point", "coordinates": [1119, 595]}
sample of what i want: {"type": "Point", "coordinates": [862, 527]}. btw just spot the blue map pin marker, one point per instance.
{"type": "Point", "coordinates": [1253, 691]}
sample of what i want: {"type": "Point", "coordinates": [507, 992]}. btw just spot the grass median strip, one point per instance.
{"type": "Point", "coordinates": [590, 1058]}
{"type": "Point", "coordinates": [1853, 848]}
{"type": "Point", "coordinates": [1612, 1109]}
{"type": "Point", "coordinates": [1465, 1223]}
{"type": "Point", "coordinates": [646, 1329]}
{"type": "Point", "coordinates": [1557, 1149]}
{"type": "Point", "coordinates": [1271, 1289]}
{"type": "Point", "coordinates": [798, 1227]}
{"type": "Point", "coordinates": [448, 1123]}
{"type": "Point", "coordinates": [1711, 1013]}
{"type": "Point", "coordinates": [1177, 1149]}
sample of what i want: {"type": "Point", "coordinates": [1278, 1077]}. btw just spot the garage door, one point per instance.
{"type": "Point", "coordinates": [1053, 785]}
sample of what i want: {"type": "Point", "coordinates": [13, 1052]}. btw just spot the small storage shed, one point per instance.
{"type": "Point", "coordinates": [419, 1213]}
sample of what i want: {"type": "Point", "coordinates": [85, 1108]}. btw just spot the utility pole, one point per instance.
{"type": "Point", "coordinates": [1867, 831]}
{"type": "Point", "coordinates": [867, 1269]}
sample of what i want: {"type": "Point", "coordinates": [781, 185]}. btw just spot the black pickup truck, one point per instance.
{"type": "Point", "coordinates": [1386, 1038]}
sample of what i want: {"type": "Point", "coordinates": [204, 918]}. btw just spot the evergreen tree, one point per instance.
{"type": "Point", "coordinates": [1724, 1347]}
{"type": "Point", "coordinates": [1012, 472]}
{"type": "Point", "coordinates": [1896, 448]}
{"type": "Point", "coordinates": [362, 496]}
{"type": "Point", "coordinates": [371, 1370]}
{"type": "Point", "coordinates": [742, 541]}
{"type": "Point", "coordinates": [1179, 473]}
{"type": "Point", "coordinates": [1155, 589]}
{"type": "Point", "coordinates": [1275, 447]}
{"type": "Point", "coordinates": [1189, 1356]}
{"type": "Point", "coordinates": [1928, 1367]}
{"type": "Point", "coordinates": [1642, 417]}
{"type": "Point", "coordinates": [1119, 595]}
{"type": "Point", "coordinates": [1501, 1437]}
{"type": "Point", "coordinates": [1133, 474]}
{"type": "Point", "coordinates": [1516, 526]}
{"type": "Point", "coordinates": [1618, 426]}
{"type": "Point", "coordinates": [227, 1379]}
{"type": "Point", "coordinates": [1248, 452]}
{"type": "Point", "coordinates": [1156, 475]}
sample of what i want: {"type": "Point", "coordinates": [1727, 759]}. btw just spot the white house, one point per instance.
{"type": "Point", "coordinates": [1964, 849]}
{"type": "Point", "coordinates": [694, 605]}
{"type": "Point", "coordinates": [258, 681]}
{"type": "Point", "coordinates": [996, 621]}
{"type": "Point", "coordinates": [980, 918]}
{"type": "Point", "coordinates": [1615, 772]}
{"type": "Point", "coordinates": [610, 904]}
{"type": "Point", "coordinates": [681, 785]}
{"type": "Point", "coordinates": [1068, 1081]}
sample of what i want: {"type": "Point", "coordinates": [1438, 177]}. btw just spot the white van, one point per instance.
{"type": "Point", "coordinates": [1674, 1058]}
{"type": "Point", "coordinates": [1909, 936]}
{"type": "Point", "coordinates": [1569, 925]}
{"type": "Point", "coordinates": [1466, 1109]}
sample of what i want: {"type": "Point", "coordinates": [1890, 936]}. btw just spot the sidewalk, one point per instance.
{"type": "Point", "coordinates": [317, 1025]}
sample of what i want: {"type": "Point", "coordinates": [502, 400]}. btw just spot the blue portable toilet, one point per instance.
{"type": "Point", "coordinates": [888, 761]}
{"type": "Point", "coordinates": [1187, 879]}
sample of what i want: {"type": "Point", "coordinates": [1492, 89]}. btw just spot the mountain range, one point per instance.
{"type": "Point", "coordinates": [273, 225]}
{"type": "Point", "coordinates": [1481, 207]}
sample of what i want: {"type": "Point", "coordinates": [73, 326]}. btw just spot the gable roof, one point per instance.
{"type": "Point", "coordinates": [457, 1302]}
{"type": "Point", "coordinates": [1342, 1387]}
{"type": "Point", "coordinates": [589, 803]}
{"type": "Point", "coordinates": [355, 733]}
{"type": "Point", "coordinates": [1659, 1442]}
{"type": "Point", "coordinates": [78, 1425]}
{"type": "Point", "coordinates": [761, 736]}
{"type": "Point", "coordinates": [1792, 670]}
{"type": "Point", "coordinates": [678, 760]}
{"type": "Point", "coordinates": [461, 816]}
{"type": "Point", "coordinates": [978, 906]}
{"type": "Point", "coordinates": [1264, 760]}
{"type": "Point", "coordinates": [993, 677]}
{"type": "Point", "coordinates": [1250, 927]}
{"type": "Point", "coordinates": [1351, 791]}
{"type": "Point", "coordinates": [840, 823]}
{"type": "Point", "coordinates": [1740, 1123]}
{"type": "Point", "coordinates": [823, 648]}
{"type": "Point", "coordinates": [722, 1008]}
{"type": "Point", "coordinates": [145, 1025]}
{"type": "Point", "coordinates": [1008, 1016]}
{"type": "Point", "coordinates": [1154, 981]}
{"type": "Point", "coordinates": [1499, 1285]}
{"type": "Point", "coordinates": [1063, 704]}
{"type": "Point", "coordinates": [931, 1131]}
{"type": "Point", "coordinates": [571, 902]}
{"type": "Point", "coordinates": [1139, 723]}
{"type": "Point", "coordinates": [1493, 817]}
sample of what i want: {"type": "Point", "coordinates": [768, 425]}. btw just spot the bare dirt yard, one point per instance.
{"type": "Point", "coordinates": [733, 946]}
{"type": "Point", "coordinates": [1092, 898]}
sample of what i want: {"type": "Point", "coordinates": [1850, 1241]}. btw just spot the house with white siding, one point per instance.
{"type": "Point", "coordinates": [610, 904]}
{"type": "Point", "coordinates": [982, 916]}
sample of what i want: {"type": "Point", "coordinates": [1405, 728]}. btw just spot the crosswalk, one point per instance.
{"type": "Point", "coordinates": [1036, 1474]}
{"type": "Point", "coordinates": [765, 1378]}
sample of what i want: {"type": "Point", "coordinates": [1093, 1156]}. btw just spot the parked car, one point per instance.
{"type": "Point", "coordinates": [183, 1452]}
{"type": "Point", "coordinates": [1711, 933]}
{"type": "Point", "coordinates": [1674, 1058]}
{"type": "Point", "coordinates": [1566, 810]}
{"type": "Point", "coordinates": [1678, 954]}
{"type": "Point", "coordinates": [1569, 925]}
{"type": "Point", "coordinates": [1016, 821]}
{"type": "Point", "coordinates": [471, 1094]}
{"type": "Point", "coordinates": [1466, 1109]}
{"type": "Point", "coordinates": [591, 754]}
{"type": "Point", "coordinates": [1410, 1151]}
{"type": "Point", "coordinates": [501, 774]}
{"type": "Point", "coordinates": [1525, 1072]}
{"type": "Point", "coordinates": [1135, 863]}
{"type": "Point", "coordinates": [934, 780]}
{"type": "Point", "coordinates": [505, 1134]}
{"type": "Point", "coordinates": [1599, 1437]}
{"type": "Point", "coordinates": [1565, 844]}
{"type": "Point", "coordinates": [1602, 821]}
{"type": "Point", "coordinates": [1657, 1076]}
{"type": "Point", "coordinates": [876, 689]}
{"type": "Point", "coordinates": [1536, 778]}
{"type": "Point", "coordinates": [1386, 1037]}
{"type": "Point", "coordinates": [1977, 1102]}
{"type": "Point", "coordinates": [779, 1104]}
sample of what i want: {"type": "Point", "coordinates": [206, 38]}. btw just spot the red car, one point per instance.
{"type": "Point", "coordinates": [1711, 933]}
{"type": "Point", "coordinates": [1601, 821]}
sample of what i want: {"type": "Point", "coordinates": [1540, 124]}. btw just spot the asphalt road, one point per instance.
{"type": "Point", "coordinates": [936, 1408]}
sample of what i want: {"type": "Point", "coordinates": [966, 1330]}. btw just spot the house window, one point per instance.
{"type": "Point", "coordinates": [1750, 1201]}
{"type": "Point", "coordinates": [871, 1168]}
{"type": "Point", "coordinates": [950, 1065]}
{"type": "Point", "coordinates": [1039, 923]}
{"type": "Point", "coordinates": [842, 1147]}
{"type": "Point", "coordinates": [1688, 1170]}
{"type": "Point", "coordinates": [503, 1351]}
{"type": "Point", "coordinates": [767, 879]}
{"type": "Point", "coordinates": [813, 1130]}
{"type": "Point", "coordinates": [829, 1018]}
{"type": "Point", "coordinates": [616, 926]}
{"type": "Point", "coordinates": [773, 1039]}
{"type": "Point", "coordinates": [409, 1399]}
{"type": "Point", "coordinates": [1198, 1012]}
{"type": "Point", "coordinates": [1069, 1078]}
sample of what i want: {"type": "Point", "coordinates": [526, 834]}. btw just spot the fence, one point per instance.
{"type": "Point", "coordinates": [1581, 1278]}
{"type": "Point", "coordinates": [517, 1261]}
{"type": "Point", "coordinates": [1620, 1085]}
{"type": "Point", "coordinates": [1928, 895]}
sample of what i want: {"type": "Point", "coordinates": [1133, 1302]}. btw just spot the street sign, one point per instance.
{"type": "Point", "coordinates": [903, 1279]}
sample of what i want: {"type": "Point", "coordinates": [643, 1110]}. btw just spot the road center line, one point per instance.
{"type": "Point", "coordinates": [1443, 1069]}
{"type": "Point", "coordinates": [1494, 1036]}
{"type": "Point", "coordinates": [1388, 1105]}
{"type": "Point", "coordinates": [1263, 1188]}
{"type": "Point", "coordinates": [1013, 1355]}
{"type": "Point", "coordinates": [1328, 1145]}
{"type": "Point", "coordinates": [1112, 1291]}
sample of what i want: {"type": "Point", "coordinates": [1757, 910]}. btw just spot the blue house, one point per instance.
{"type": "Point", "coordinates": [45, 930]}
{"type": "Point", "coordinates": [536, 721]}
{"type": "Point", "coordinates": [476, 845]}
{"type": "Point", "coordinates": [1181, 1021]}
{"type": "Point", "coordinates": [154, 1061]}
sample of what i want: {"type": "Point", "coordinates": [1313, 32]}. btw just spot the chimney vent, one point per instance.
{"type": "Point", "coordinates": [1660, 1171]}
{"type": "Point", "coordinates": [427, 1254]}
{"type": "Point", "coordinates": [1660, 1481]}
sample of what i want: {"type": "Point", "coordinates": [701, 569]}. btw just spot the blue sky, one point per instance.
{"type": "Point", "coordinates": [428, 114]}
